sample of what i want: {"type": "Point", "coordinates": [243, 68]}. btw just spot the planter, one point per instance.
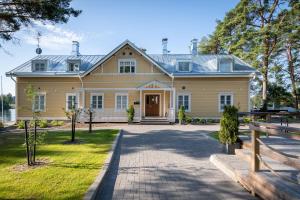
{"type": "Point", "coordinates": [230, 148]}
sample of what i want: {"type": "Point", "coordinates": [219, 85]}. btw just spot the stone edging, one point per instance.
{"type": "Point", "coordinates": [93, 189]}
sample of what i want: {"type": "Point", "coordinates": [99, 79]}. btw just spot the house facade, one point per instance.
{"type": "Point", "coordinates": [155, 84]}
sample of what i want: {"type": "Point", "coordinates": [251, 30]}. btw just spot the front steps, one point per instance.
{"type": "Point", "coordinates": [155, 121]}
{"type": "Point", "coordinates": [264, 183]}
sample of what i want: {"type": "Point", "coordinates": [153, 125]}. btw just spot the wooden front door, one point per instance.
{"type": "Point", "coordinates": [152, 106]}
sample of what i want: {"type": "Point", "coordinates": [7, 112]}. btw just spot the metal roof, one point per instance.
{"type": "Point", "coordinates": [202, 65]}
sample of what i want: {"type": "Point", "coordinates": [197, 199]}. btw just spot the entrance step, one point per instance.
{"type": "Point", "coordinates": [155, 121]}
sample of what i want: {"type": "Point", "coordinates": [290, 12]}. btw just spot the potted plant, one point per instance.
{"type": "Point", "coordinates": [130, 114]}
{"type": "Point", "coordinates": [181, 114]}
{"type": "Point", "coordinates": [229, 129]}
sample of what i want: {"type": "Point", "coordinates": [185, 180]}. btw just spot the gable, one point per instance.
{"type": "Point", "coordinates": [126, 53]}
{"type": "Point", "coordinates": [130, 47]}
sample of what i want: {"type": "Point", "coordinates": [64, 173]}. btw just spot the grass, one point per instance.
{"type": "Point", "coordinates": [71, 170]}
{"type": "Point", "coordinates": [215, 134]}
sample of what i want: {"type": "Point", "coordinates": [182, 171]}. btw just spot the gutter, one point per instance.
{"type": "Point", "coordinates": [11, 77]}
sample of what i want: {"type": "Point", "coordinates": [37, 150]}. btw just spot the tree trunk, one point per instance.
{"type": "Point", "coordinates": [27, 144]}
{"type": "Point", "coordinates": [264, 92]}
{"type": "Point", "coordinates": [90, 122]}
{"type": "Point", "coordinates": [291, 69]}
{"type": "Point", "coordinates": [73, 131]}
{"type": "Point", "coordinates": [34, 147]}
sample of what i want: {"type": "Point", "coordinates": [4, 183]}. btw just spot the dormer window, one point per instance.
{"type": "Point", "coordinates": [225, 64]}
{"type": "Point", "coordinates": [184, 66]}
{"type": "Point", "coordinates": [127, 66]}
{"type": "Point", "coordinates": [73, 65]}
{"type": "Point", "coordinates": [39, 65]}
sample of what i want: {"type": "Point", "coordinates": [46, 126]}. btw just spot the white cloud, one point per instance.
{"type": "Point", "coordinates": [53, 37]}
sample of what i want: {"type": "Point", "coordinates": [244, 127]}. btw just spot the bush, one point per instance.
{"type": "Point", "coordinates": [188, 119]}
{"type": "Point", "coordinates": [130, 113]}
{"type": "Point", "coordinates": [229, 125]}
{"type": "Point", "coordinates": [181, 114]}
{"type": "Point", "coordinates": [210, 121]}
{"type": "Point", "coordinates": [246, 120]}
{"type": "Point", "coordinates": [43, 123]}
{"type": "Point", "coordinates": [21, 124]}
{"type": "Point", "coordinates": [57, 123]}
{"type": "Point", "coordinates": [1, 125]}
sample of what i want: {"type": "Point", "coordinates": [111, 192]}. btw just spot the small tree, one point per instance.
{"type": "Point", "coordinates": [31, 136]}
{"type": "Point", "coordinates": [72, 114]}
{"type": "Point", "coordinates": [229, 125]}
{"type": "Point", "coordinates": [181, 114]}
{"type": "Point", "coordinates": [130, 113]}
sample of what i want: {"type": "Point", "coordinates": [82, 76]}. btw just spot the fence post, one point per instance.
{"type": "Point", "coordinates": [255, 151]}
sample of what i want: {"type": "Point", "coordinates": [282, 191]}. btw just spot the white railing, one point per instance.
{"type": "Point", "coordinates": [107, 115]}
{"type": "Point", "coordinates": [171, 115]}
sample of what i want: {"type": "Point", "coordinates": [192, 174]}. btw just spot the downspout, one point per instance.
{"type": "Point", "coordinates": [11, 77]}
{"type": "Point", "coordinates": [16, 96]}
{"type": "Point", "coordinates": [83, 95]}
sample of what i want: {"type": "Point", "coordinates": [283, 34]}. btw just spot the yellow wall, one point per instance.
{"type": "Point", "coordinates": [204, 91]}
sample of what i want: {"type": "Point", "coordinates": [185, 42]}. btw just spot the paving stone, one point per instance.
{"type": "Point", "coordinates": [168, 162]}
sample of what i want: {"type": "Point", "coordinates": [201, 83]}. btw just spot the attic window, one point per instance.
{"type": "Point", "coordinates": [184, 66]}
{"type": "Point", "coordinates": [127, 66]}
{"type": "Point", "coordinates": [39, 65]}
{"type": "Point", "coordinates": [73, 65]}
{"type": "Point", "coordinates": [225, 64]}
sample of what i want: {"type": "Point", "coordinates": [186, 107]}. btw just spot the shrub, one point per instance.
{"type": "Point", "coordinates": [60, 123]}
{"type": "Point", "coordinates": [130, 113]}
{"type": "Point", "coordinates": [210, 121]}
{"type": "Point", "coordinates": [1, 125]}
{"type": "Point", "coordinates": [181, 114]}
{"type": "Point", "coordinates": [229, 125]}
{"type": "Point", "coordinates": [188, 119]}
{"type": "Point", "coordinates": [21, 124]}
{"type": "Point", "coordinates": [246, 120]}
{"type": "Point", "coordinates": [57, 123]}
{"type": "Point", "coordinates": [43, 123]}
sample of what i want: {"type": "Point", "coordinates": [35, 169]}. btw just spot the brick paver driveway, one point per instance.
{"type": "Point", "coordinates": [168, 162]}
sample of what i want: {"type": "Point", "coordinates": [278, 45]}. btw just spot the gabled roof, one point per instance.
{"type": "Point", "coordinates": [154, 84]}
{"type": "Point", "coordinates": [202, 65]}
{"type": "Point", "coordinates": [126, 42]}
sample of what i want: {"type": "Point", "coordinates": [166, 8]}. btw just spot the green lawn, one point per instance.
{"type": "Point", "coordinates": [72, 168]}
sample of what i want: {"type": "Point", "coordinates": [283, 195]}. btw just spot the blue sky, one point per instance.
{"type": "Point", "coordinates": [105, 24]}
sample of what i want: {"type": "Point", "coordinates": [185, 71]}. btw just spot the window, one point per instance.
{"type": "Point", "coordinates": [73, 65]}
{"type": "Point", "coordinates": [39, 65]}
{"type": "Point", "coordinates": [39, 102]}
{"type": "Point", "coordinates": [225, 64]}
{"type": "Point", "coordinates": [121, 102]}
{"type": "Point", "coordinates": [72, 101]}
{"type": "Point", "coordinates": [185, 101]}
{"type": "Point", "coordinates": [127, 66]}
{"type": "Point", "coordinates": [184, 66]}
{"type": "Point", "coordinates": [97, 101]}
{"type": "Point", "coordinates": [225, 99]}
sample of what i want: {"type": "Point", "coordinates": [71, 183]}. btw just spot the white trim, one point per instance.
{"type": "Point", "coordinates": [97, 94]}
{"type": "Point", "coordinates": [127, 60]}
{"type": "Point", "coordinates": [125, 74]}
{"type": "Point", "coordinates": [121, 94]}
{"type": "Point", "coordinates": [219, 99]}
{"type": "Point", "coordinates": [141, 100]}
{"type": "Point", "coordinates": [123, 89]}
{"type": "Point", "coordinates": [189, 94]}
{"type": "Point", "coordinates": [164, 103]}
{"type": "Point", "coordinates": [47, 118]}
{"type": "Point", "coordinates": [77, 99]}
{"type": "Point", "coordinates": [40, 94]}
{"type": "Point", "coordinates": [145, 102]}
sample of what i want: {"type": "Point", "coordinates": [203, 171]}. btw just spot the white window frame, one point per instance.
{"type": "Point", "coordinates": [224, 94]}
{"type": "Point", "coordinates": [190, 101]}
{"type": "Point", "coordinates": [39, 109]}
{"type": "Point", "coordinates": [179, 61]}
{"type": "Point", "coordinates": [91, 101]}
{"type": "Point", "coordinates": [77, 100]}
{"type": "Point", "coordinates": [78, 62]}
{"type": "Point", "coordinates": [116, 108]}
{"type": "Point", "coordinates": [231, 66]}
{"type": "Point", "coordinates": [126, 60]}
{"type": "Point", "coordinates": [34, 62]}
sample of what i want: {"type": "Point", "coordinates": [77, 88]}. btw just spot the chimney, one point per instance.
{"type": "Point", "coordinates": [75, 48]}
{"type": "Point", "coordinates": [164, 43]}
{"type": "Point", "coordinates": [194, 47]}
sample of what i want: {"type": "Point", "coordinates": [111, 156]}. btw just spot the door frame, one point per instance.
{"type": "Point", "coordinates": [145, 102]}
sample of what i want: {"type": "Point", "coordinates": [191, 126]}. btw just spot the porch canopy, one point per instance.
{"type": "Point", "coordinates": [159, 86]}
